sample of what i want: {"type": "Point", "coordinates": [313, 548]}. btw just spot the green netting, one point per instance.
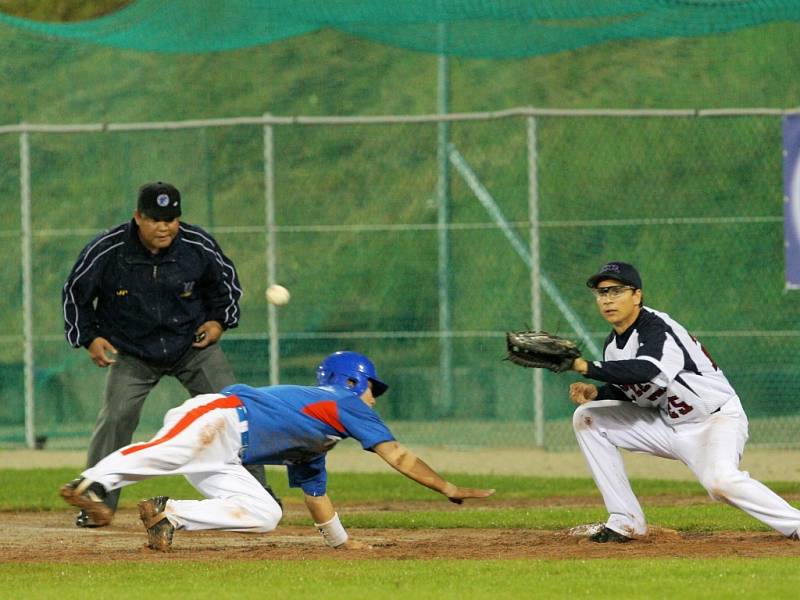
{"type": "Point", "coordinates": [695, 202]}
{"type": "Point", "coordinates": [488, 28]}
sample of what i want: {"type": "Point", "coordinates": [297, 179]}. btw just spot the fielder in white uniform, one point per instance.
{"type": "Point", "coordinates": [663, 395]}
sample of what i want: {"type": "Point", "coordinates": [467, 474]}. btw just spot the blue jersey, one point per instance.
{"type": "Point", "coordinates": [296, 425]}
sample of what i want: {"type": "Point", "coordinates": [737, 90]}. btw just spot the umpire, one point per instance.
{"type": "Point", "coordinates": [149, 298]}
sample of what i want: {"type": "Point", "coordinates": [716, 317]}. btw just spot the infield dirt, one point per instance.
{"type": "Point", "coordinates": [52, 536]}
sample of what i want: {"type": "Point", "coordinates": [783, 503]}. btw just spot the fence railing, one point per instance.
{"type": "Point", "coordinates": [535, 221]}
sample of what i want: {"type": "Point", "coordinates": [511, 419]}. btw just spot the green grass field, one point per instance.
{"type": "Point", "coordinates": [459, 580]}
{"type": "Point", "coordinates": [524, 503]}
{"type": "Point", "coordinates": [37, 490]}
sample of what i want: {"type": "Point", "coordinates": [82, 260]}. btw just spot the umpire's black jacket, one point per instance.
{"type": "Point", "coordinates": [149, 305]}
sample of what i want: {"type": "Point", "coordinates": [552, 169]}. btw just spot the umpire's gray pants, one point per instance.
{"type": "Point", "coordinates": [129, 381]}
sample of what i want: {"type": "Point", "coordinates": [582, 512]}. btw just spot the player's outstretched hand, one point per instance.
{"type": "Point", "coordinates": [457, 495]}
{"type": "Point", "coordinates": [581, 393]}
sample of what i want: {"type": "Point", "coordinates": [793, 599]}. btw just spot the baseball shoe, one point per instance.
{"type": "Point", "coordinates": [88, 495]}
{"type": "Point", "coordinates": [606, 535]}
{"type": "Point", "coordinates": [84, 520]}
{"type": "Point", "coordinates": [585, 531]}
{"type": "Point", "coordinates": [795, 536]}
{"type": "Point", "coordinates": [159, 529]}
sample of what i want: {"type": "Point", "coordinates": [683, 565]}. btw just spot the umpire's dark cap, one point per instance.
{"type": "Point", "coordinates": [160, 201]}
{"type": "Point", "coordinates": [618, 271]}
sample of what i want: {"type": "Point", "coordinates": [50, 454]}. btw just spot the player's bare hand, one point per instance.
{"type": "Point", "coordinates": [208, 333]}
{"type": "Point", "coordinates": [100, 350]}
{"type": "Point", "coordinates": [580, 365]}
{"type": "Point", "coordinates": [457, 495]}
{"type": "Point", "coordinates": [581, 393]}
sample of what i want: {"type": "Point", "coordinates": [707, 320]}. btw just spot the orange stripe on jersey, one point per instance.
{"type": "Point", "coordinates": [187, 419]}
{"type": "Point", "coordinates": [326, 412]}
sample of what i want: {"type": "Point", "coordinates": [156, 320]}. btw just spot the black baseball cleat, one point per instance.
{"type": "Point", "coordinates": [88, 495]}
{"type": "Point", "coordinates": [84, 520]}
{"type": "Point", "coordinates": [795, 536]}
{"type": "Point", "coordinates": [159, 529]}
{"type": "Point", "coordinates": [606, 535]}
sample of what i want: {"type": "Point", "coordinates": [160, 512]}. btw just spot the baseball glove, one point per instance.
{"type": "Point", "coordinates": [539, 349]}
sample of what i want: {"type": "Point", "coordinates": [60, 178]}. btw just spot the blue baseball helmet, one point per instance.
{"type": "Point", "coordinates": [345, 367]}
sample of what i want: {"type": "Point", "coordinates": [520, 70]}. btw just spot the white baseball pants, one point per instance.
{"type": "Point", "coordinates": [201, 440]}
{"type": "Point", "coordinates": [711, 449]}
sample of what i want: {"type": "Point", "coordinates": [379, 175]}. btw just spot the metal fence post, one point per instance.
{"type": "Point", "coordinates": [536, 290]}
{"type": "Point", "coordinates": [269, 218]}
{"type": "Point", "coordinates": [27, 285]}
{"type": "Point", "coordinates": [443, 217]}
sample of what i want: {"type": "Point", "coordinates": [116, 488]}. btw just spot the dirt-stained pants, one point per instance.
{"type": "Point", "coordinates": [201, 439]}
{"type": "Point", "coordinates": [130, 380]}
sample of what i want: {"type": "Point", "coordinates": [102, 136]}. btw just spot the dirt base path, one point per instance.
{"type": "Point", "coordinates": [51, 536]}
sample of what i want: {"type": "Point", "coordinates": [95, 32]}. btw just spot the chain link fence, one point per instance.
{"type": "Point", "coordinates": [418, 241]}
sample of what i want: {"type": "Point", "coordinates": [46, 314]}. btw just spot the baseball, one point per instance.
{"type": "Point", "coordinates": [277, 295]}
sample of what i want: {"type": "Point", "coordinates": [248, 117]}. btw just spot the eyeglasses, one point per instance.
{"type": "Point", "coordinates": [613, 291]}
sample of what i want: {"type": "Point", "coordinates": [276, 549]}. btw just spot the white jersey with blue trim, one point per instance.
{"type": "Point", "coordinates": [688, 385]}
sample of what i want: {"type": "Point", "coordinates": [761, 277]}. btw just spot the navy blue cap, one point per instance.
{"type": "Point", "coordinates": [618, 271]}
{"type": "Point", "coordinates": [160, 201]}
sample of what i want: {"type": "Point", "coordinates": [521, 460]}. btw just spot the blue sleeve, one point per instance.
{"type": "Point", "coordinates": [363, 423]}
{"type": "Point", "coordinates": [235, 389]}
{"type": "Point", "coordinates": [610, 391]}
{"type": "Point", "coordinates": [311, 476]}
{"type": "Point", "coordinates": [633, 370]}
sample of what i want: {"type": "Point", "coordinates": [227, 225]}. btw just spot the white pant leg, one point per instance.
{"type": "Point", "coordinates": [237, 502]}
{"type": "Point", "coordinates": [201, 440]}
{"type": "Point", "coordinates": [713, 449]}
{"type": "Point", "coordinates": [601, 428]}
{"type": "Point", "coordinates": [200, 436]}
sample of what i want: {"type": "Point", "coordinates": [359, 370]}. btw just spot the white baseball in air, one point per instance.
{"type": "Point", "coordinates": [277, 295]}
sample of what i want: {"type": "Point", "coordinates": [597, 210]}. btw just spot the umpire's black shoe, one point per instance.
{"type": "Point", "coordinates": [606, 535]}
{"type": "Point", "coordinates": [89, 496]}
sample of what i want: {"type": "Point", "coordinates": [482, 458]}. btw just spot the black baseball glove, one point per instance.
{"type": "Point", "coordinates": [539, 349]}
